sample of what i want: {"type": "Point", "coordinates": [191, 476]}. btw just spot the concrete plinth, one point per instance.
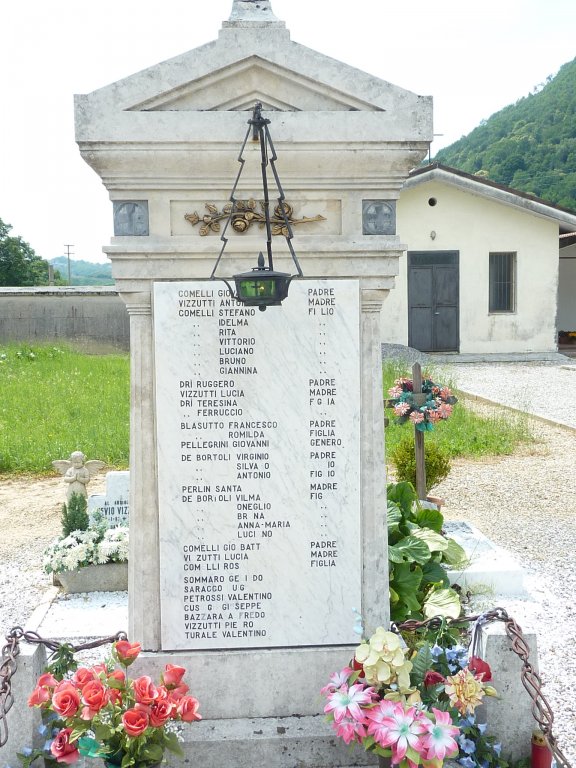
{"type": "Point", "coordinates": [509, 716]}
{"type": "Point", "coordinates": [109, 577]}
{"type": "Point", "coordinates": [22, 720]}
{"type": "Point", "coordinates": [287, 742]}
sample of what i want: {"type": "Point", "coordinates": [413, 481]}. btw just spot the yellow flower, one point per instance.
{"type": "Point", "coordinates": [409, 697]}
{"type": "Point", "coordinates": [383, 659]}
{"type": "Point", "coordinates": [465, 691]}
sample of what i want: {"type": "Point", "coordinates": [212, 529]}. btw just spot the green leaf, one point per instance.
{"type": "Point", "coordinates": [367, 742]}
{"type": "Point", "coordinates": [436, 541]}
{"type": "Point", "coordinates": [27, 760]}
{"type": "Point", "coordinates": [409, 550]}
{"type": "Point", "coordinates": [102, 732]}
{"type": "Point", "coordinates": [174, 745]}
{"type": "Point", "coordinates": [435, 574]}
{"type": "Point", "coordinates": [442, 602]}
{"type": "Point", "coordinates": [152, 753]}
{"type": "Point", "coordinates": [354, 676]}
{"type": "Point", "coordinates": [454, 553]}
{"type": "Point", "coordinates": [430, 518]}
{"type": "Point", "coordinates": [405, 583]}
{"type": "Point", "coordinates": [404, 495]}
{"type": "Point", "coordinates": [421, 663]}
{"type": "Point", "coordinates": [394, 516]}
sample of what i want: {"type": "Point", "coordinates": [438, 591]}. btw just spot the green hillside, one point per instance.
{"type": "Point", "coordinates": [83, 272]}
{"type": "Point", "coordinates": [529, 145]}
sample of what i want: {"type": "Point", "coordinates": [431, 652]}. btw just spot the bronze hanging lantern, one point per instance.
{"type": "Point", "coordinates": [262, 286]}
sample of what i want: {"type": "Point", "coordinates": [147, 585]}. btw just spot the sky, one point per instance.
{"type": "Point", "coordinates": [473, 58]}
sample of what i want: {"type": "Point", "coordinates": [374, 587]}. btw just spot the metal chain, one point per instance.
{"type": "Point", "coordinates": [8, 665]}
{"type": "Point", "coordinates": [541, 710]}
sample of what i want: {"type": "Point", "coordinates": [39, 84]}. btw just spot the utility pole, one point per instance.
{"type": "Point", "coordinates": [68, 246]}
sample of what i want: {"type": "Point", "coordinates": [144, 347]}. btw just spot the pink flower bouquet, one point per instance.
{"type": "Point", "coordinates": [406, 708]}
{"type": "Point", "coordinates": [103, 713]}
{"type": "Point", "coordinates": [424, 410]}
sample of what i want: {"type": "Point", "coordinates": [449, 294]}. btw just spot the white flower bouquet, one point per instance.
{"type": "Point", "coordinates": [95, 546]}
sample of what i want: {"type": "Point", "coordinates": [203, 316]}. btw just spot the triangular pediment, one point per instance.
{"type": "Point", "coordinates": [239, 85]}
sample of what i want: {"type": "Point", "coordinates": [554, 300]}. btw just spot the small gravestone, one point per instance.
{"type": "Point", "coordinates": [113, 504]}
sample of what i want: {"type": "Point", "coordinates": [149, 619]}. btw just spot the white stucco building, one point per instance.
{"type": "Point", "coordinates": [481, 272]}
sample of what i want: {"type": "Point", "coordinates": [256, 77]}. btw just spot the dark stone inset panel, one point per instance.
{"type": "Point", "coordinates": [378, 217]}
{"type": "Point", "coordinates": [130, 218]}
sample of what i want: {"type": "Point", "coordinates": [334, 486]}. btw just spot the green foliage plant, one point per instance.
{"type": "Point", "coordinates": [75, 515]}
{"type": "Point", "coordinates": [436, 462]}
{"type": "Point", "coordinates": [418, 552]}
{"type": "Point", "coordinates": [19, 264]}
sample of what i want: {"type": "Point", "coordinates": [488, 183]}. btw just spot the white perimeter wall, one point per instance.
{"type": "Point", "coordinates": [474, 226]}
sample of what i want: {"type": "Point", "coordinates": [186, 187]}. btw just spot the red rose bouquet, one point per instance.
{"type": "Point", "coordinates": [103, 713]}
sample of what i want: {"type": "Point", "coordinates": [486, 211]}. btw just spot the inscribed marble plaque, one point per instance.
{"type": "Point", "coordinates": [114, 504]}
{"type": "Point", "coordinates": [258, 438]}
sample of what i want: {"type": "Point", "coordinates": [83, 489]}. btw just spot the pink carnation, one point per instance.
{"type": "Point", "coordinates": [444, 410]}
{"type": "Point", "coordinates": [400, 409]}
{"type": "Point", "coordinates": [416, 417]}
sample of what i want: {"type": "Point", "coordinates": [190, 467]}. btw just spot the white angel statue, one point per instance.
{"type": "Point", "coordinates": [77, 472]}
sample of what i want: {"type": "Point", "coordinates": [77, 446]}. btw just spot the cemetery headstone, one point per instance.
{"type": "Point", "coordinates": [114, 504]}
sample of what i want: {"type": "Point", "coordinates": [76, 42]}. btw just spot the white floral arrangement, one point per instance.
{"type": "Point", "coordinates": [95, 546]}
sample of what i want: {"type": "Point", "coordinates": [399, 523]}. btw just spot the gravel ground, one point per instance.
{"type": "Point", "coordinates": [525, 503]}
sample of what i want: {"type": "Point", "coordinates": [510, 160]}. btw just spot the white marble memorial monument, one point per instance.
{"type": "Point", "coordinates": [258, 466]}
{"type": "Point", "coordinates": [257, 447]}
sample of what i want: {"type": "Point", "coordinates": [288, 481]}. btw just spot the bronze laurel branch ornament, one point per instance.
{"type": "Point", "coordinates": [244, 214]}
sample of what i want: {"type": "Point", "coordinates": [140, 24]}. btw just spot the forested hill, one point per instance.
{"type": "Point", "coordinates": [529, 145]}
{"type": "Point", "coordinates": [83, 272]}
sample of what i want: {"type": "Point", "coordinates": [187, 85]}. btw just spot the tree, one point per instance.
{"type": "Point", "coordinates": [19, 264]}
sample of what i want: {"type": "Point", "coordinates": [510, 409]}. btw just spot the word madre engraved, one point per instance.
{"type": "Point", "coordinates": [244, 213]}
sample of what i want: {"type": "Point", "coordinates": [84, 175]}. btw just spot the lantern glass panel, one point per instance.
{"type": "Point", "coordinates": [256, 289]}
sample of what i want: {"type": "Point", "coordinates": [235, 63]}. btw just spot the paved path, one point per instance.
{"type": "Point", "coordinates": [544, 389]}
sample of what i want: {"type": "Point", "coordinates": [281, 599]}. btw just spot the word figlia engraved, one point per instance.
{"type": "Point", "coordinates": [244, 215]}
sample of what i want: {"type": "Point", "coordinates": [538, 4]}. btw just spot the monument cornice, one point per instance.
{"type": "Point", "coordinates": [193, 127]}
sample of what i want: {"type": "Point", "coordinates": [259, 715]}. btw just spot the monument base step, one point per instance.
{"type": "Point", "coordinates": [270, 742]}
